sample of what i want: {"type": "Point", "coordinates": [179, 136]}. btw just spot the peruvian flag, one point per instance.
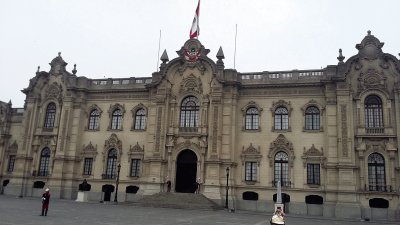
{"type": "Point", "coordinates": [195, 30]}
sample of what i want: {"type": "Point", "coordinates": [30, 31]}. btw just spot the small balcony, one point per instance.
{"type": "Point", "coordinates": [379, 188]}
{"type": "Point", "coordinates": [375, 130]}
{"type": "Point", "coordinates": [284, 184]}
{"type": "Point", "coordinates": [108, 176]}
{"type": "Point", "coordinates": [188, 129]}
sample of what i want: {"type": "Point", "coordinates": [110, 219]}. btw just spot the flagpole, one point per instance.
{"type": "Point", "coordinates": [158, 54]}
{"type": "Point", "coordinates": [234, 54]}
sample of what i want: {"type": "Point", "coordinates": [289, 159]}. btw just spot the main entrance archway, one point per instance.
{"type": "Point", "coordinates": [186, 170]}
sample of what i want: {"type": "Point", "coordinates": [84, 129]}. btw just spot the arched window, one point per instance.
{"type": "Point", "coordinates": [281, 118]}
{"type": "Point", "coordinates": [94, 120]}
{"type": "Point", "coordinates": [189, 112]}
{"type": "Point", "coordinates": [376, 172]}
{"type": "Point", "coordinates": [140, 119]}
{"type": "Point", "coordinates": [281, 166]}
{"type": "Point", "coordinates": [116, 119]}
{"type": "Point", "coordinates": [44, 162]}
{"type": "Point", "coordinates": [50, 115]}
{"type": "Point", "coordinates": [252, 119]}
{"type": "Point", "coordinates": [111, 164]}
{"type": "Point", "coordinates": [373, 112]}
{"type": "Point", "coordinates": [312, 118]}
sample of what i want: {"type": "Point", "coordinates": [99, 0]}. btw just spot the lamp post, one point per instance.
{"type": "Point", "coordinates": [227, 187]}
{"type": "Point", "coordinates": [116, 184]}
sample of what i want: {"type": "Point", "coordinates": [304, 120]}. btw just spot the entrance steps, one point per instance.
{"type": "Point", "coordinates": [179, 201]}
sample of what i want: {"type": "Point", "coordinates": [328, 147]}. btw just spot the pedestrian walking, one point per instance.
{"type": "Point", "coordinates": [45, 202]}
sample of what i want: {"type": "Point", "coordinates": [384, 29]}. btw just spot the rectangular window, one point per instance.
{"type": "Point", "coordinates": [87, 166]}
{"type": "Point", "coordinates": [251, 171]}
{"type": "Point", "coordinates": [135, 167]}
{"type": "Point", "coordinates": [313, 173]}
{"type": "Point", "coordinates": [11, 163]}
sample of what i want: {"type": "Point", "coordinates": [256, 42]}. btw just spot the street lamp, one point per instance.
{"type": "Point", "coordinates": [116, 184]}
{"type": "Point", "coordinates": [227, 187]}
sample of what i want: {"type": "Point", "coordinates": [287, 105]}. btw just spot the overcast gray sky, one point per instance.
{"type": "Point", "coordinates": [119, 38]}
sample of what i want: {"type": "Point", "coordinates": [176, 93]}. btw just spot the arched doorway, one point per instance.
{"type": "Point", "coordinates": [186, 170]}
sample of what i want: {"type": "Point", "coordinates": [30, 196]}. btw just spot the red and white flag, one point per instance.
{"type": "Point", "coordinates": [195, 30]}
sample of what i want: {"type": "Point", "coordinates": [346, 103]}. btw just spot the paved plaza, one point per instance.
{"type": "Point", "coordinates": [26, 211]}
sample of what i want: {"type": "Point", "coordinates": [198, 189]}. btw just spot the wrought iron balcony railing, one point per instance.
{"type": "Point", "coordinates": [379, 188]}
{"type": "Point", "coordinates": [286, 184]}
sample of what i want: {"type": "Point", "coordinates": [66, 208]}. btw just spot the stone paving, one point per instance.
{"type": "Point", "coordinates": [26, 211]}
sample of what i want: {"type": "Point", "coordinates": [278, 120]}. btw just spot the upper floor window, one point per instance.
{"type": "Point", "coordinates": [251, 171]}
{"type": "Point", "coordinates": [252, 119]}
{"type": "Point", "coordinates": [94, 120]}
{"type": "Point", "coordinates": [111, 164]}
{"type": "Point", "coordinates": [376, 172]}
{"type": "Point", "coordinates": [281, 169]}
{"type": "Point", "coordinates": [87, 166]}
{"type": "Point", "coordinates": [44, 162]}
{"type": "Point", "coordinates": [50, 115]}
{"type": "Point", "coordinates": [281, 118]}
{"type": "Point", "coordinates": [135, 167]}
{"type": "Point", "coordinates": [313, 173]}
{"type": "Point", "coordinates": [11, 163]}
{"type": "Point", "coordinates": [189, 112]}
{"type": "Point", "coordinates": [373, 112]}
{"type": "Point", "coordinates": [116, 119]}
{"type": "Point", "coordinates": [140, 119]}
{"type": "Point", "coordinates": [312, 119]}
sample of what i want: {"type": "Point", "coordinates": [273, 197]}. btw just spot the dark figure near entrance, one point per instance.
{"type": "Point", "coordinates": [84, 186]}
{"type": "Point", "coordinates": [168, 186]}
{"type": "Point", "coordinates": [45, 202]}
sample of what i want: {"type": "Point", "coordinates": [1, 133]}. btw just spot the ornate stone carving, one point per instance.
{"type": "Point", "coordinates": [53, 91]}
{"type": "Point", "coordinates": [13, 148]}
{"type": "Point", "coordinates": [251, 153]}
{"type": "Point", "coordinates": [343, 112]}
{"type": "Point", "coordinates": [113, 142]}
{"type": "Point", "coordinates": [191, 84]}
{"type": "Point", "coordinates": [281, 144]}
{"type": "Point", "coordinates": [313, 155]}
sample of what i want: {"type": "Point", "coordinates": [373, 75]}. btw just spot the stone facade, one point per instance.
{"type": "Point", "coordinates": [330, 136]}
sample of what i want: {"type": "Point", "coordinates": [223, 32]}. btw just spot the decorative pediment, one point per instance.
{"type": "Point", "coordinates": [13, 148]}
{"type": "Point", "coordinates": [116, 106]}
{"type": "Point", "coordinates": [90, 148]}
{"type": "Point", "coordinates": [281, 144]}
{"type": "Point", "coordinates": [136, 148]}
{"type": "Point", "coordinates": [250, 105]}
{"type": "Point", "coordinates": [94, 107]}
{"type": "Point", "coordinates": [251, 153]}
{"type": "Point", "coordinates": [250, 150]}
{"type": "Point", "coordinates": [313, 155]}
{"type": "Point", "coordinates": [313, 151]}
{"type": "Point", "coordinates": [281, 103]}
{"type": "Point", "coordinates": [313, 102]}
{"type": "Point", "coordinates": [113, 142]}
{"type": "Point", "coordinates": [191, 84]}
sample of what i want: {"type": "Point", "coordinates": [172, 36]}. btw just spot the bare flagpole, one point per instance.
{"type": "Point", "coordinates": [234, 54]}
{"type": "Point", "coordinates": [158, 55]}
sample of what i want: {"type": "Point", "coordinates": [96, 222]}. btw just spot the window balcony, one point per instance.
{"type": "Point", "coordinates": [375, 130]}
{"type": "Point", "coordinates": [108, 176]}
{"type": "Point", "coordinates": [379, 188]}
{"type": "Point", "coordinates": [188, 129]}
{"type": "Point", "coordinates": [284, 184]}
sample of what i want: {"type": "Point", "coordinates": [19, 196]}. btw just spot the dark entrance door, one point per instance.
{"type": "Point", "coordinates": [186, 170]}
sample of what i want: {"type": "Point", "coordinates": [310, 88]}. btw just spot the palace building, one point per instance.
{"type": "Point", "coordinates": [329, 137]}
